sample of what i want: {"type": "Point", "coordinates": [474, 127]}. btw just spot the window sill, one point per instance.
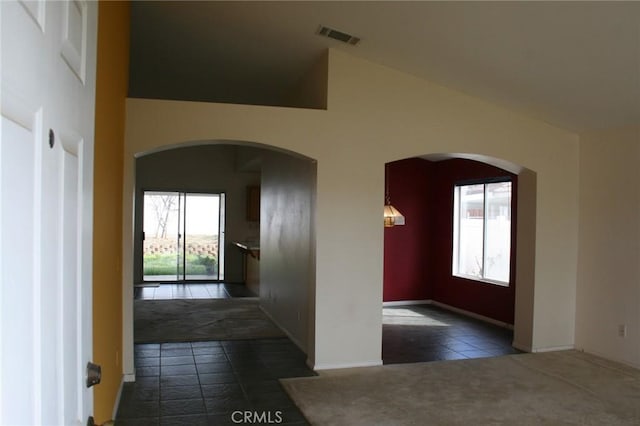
{"type": "Point", "coordinates": [482, 280]}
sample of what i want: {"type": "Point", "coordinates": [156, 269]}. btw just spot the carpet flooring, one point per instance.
{"type": "Point", "coordinates": [192, 320]}
{"type": "Point", "coordinates": [555, 388]}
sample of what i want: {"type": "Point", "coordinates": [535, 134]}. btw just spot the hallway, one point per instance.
{"type": "Point", "coordinates": [204, 383]}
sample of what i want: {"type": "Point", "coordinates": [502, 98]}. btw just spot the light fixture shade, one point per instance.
{"type": "Point", "coordinates": [392, 216]}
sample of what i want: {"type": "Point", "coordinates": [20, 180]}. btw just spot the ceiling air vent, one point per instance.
{"type": "Point", "coordinates": [337, 35]}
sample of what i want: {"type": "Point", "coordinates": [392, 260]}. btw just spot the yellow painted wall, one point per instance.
{"type": "Point", "coordinates": [111, 91]}
{"type": "Point", "coordinates": [375, 115]}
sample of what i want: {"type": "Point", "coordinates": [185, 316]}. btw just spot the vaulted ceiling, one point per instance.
{"type": "Point", "coordinates": [572, 64]}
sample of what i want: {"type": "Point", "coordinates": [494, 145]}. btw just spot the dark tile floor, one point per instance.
{"type": "Point", "coordinates": [420, 333]}
{"type": "Point", "coordinates": [204, 383]}
{"type": "Point", "coordinates": [192, 291]}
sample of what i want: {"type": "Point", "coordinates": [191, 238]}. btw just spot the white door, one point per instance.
{"type": "Point", "coordinates": [46, 180]}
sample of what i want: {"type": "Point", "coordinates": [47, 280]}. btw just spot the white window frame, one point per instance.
{"type": "Point", "coordinates": [456, 231]}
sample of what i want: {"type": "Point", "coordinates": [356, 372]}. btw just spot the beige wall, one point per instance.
{"type": "Point", "coordinates": [609, 263]}
{"type": "Point", "coordinates": [375, 115]}
{"type": "Point", "coordinates": [287, 273]}
{"type": "Point", "coordinates": [311, 90]}
{"type": "Point", "coordinates": [111, 91]}
{"type": "Point", "coordinates": [207, 168]}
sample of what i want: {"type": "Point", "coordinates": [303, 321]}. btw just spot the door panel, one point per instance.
{"type": "Point", "coordinates": [180, 236]}
{"type": "Point", "coordinates": [161, 247]}
{"type": "Point", "coordinates": [201, 236]}
{"type": "Point", "coordinates": [17, 182]}
{"type": "Point", "coordinates": [71, 287]}
{"type": "Point", "coordinates": [46, 153]}
{"type": "Point", "coordinates": [20, 149]}
{"type": "Point", "coordinates": [74, 30]}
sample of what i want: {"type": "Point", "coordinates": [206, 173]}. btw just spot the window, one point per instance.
{"type": "Point", "coordinates": [482, 232]}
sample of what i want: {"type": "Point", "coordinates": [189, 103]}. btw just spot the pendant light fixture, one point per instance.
{"type": "Point", "coordinates": [392, 216]}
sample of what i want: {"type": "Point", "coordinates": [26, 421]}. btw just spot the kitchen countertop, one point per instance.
{"type": "Point", "coordinates": [251, 247]}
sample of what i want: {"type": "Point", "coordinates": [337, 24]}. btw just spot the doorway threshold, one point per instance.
{"type": "Point", "coordinates": [147, 285]}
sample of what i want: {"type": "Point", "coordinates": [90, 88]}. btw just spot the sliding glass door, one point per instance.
{"type": "Point", "coordinates": [183, 236]}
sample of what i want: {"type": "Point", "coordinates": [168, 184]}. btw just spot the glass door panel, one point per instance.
{"type": "Point", "coordinates": [161, 230]}
{"type": "Point", "coordinates": [180, 260]}
{"type": "Point", "coordinates": [202, 236]}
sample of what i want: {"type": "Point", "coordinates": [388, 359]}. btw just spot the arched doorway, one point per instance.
{"type": "Point", "coordinates": [284, 232]}
{"type": "Point", "coordinates": [465, 248]}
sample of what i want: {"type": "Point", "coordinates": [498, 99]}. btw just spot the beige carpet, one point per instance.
{"type": "Point", "coordinates": [188, 320]}
{"type": "Point", "coordinates": [558, 388]}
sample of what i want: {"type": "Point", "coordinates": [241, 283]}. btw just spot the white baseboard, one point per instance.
{"type": "Point", "coordinates": [116, 403]}
{"type": "Point", "coordinates": [339, 366]}
{"type": "Point", "coordinates": [527, 348]}
{"type": "Point", "coordinates": [521, 347]}
{"type": "Point", "coordinates": [309, 363]}
{"type": "Point", "coordinates": [553, 348]}
{"type": "Point", "coordinates": [289, 335]}
{"type": "Point", "coordinates": [129, 377]}
{"type": "Point", "coordinates": [609, 357]}
{"type": "Point", "coordinates": [406, 302]}
{"type": "Point", "coordinates": [472, 315]}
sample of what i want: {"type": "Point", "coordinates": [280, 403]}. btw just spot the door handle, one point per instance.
{"type": "Point", "coordinates": [94, 374]}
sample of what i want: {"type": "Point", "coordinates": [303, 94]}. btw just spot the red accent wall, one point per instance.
{"type": "Point", "coordinates": [406, 251]}
{"type": "Point", "coordinates": [418, 256]}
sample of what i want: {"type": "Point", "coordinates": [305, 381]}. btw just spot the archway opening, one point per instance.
{"type": "Point", "coordinates": [270, 247]}
{"type": "Point", "coordinates": [454, 274]}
